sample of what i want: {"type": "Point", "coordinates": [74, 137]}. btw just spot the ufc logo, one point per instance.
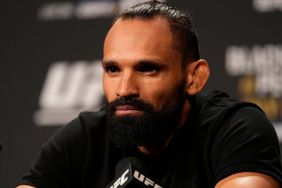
{"type": "Point", "coordinates": [121, 180]}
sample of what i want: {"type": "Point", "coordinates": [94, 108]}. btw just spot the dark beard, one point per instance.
{"type": "Point", "coordinates": [151, 128]}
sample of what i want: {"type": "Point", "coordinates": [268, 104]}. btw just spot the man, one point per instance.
{"type": "Point", "coordinates": [152, 78]}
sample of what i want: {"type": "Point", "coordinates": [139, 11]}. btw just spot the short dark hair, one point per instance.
{"type": "Point", "coordinates": [181, 25]}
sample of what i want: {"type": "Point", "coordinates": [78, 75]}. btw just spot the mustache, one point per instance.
{"type": "Point", "coordinates": [137, 103]}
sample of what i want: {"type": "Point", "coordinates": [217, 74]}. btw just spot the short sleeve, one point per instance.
{"type": "Point", "coordinates": [55, 166]}
{"type": "Point", "coordinates": [246, 142]}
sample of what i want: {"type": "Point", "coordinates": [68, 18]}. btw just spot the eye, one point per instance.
{"type": "Point", "coordinates": [111, 69]}
{"type": "Point", "coordinates": [149, 68]}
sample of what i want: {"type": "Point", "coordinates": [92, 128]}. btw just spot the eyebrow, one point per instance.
{"type": "Point", "coordinates": [140, 62]}
{"type": "Point", "coordinates": [151, 62]}
{"type": "Point", "coordinates": [106, 63]}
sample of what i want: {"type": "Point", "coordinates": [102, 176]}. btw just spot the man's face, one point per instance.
{"type": "Point", "coordinates": [140, 63]}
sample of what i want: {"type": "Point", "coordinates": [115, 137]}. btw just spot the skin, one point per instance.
{"type": "Point", "coordinates": [139, 61]}
{"type": "Point", "coordinates": [248, 180]}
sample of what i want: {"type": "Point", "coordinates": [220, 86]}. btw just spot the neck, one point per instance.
{"type": "Point", "coordinates": [155, 150]}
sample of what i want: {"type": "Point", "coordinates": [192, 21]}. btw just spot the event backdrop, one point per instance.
{"type": "Point", "coordinates": [50, 64]}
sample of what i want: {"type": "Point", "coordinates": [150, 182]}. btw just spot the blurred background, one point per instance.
{"type": "Point", "coordinates": [50, 64]}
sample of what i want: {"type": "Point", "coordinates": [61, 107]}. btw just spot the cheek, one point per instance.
{"type": "Point", "coordinates": [108, 89]}
{"type": "Point", "coordinates": [160, 95]}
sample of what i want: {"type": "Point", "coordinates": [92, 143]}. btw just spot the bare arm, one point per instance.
{"type": "Point", "coordinates": [24, 186]}
{"type": "Point", "coordinates": [248, 180]}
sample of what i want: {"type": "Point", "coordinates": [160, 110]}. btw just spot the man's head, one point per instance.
{"type": "Point", "coordinates": [149, 72]}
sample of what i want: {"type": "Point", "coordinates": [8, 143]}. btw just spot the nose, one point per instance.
{"type": "Point", "coordinates": [128, 86]}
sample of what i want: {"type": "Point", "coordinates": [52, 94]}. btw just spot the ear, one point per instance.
{"type": "Point", "coordinates": [198, 73]}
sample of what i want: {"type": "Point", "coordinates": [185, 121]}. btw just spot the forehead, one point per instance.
{"type": "Point", "coordinates": [140, 26]}
{"type": "Point", "coordinates": [143, 36]}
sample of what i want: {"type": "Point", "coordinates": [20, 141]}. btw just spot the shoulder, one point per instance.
{"type": "Point", "coordinates": [91, 118]}
{"type": "Point", "coordinates": [238, 137]}
{"type": "Point", "coordinates": [220, 101]}
{"type": "Point", "coordinates": [76, 134]}
{"type": "Point", "coordinates": [64, 157]}
{"type": "Point", "coordinates": [217, 107]}
{"type": "Point", "coordinates": [227, 119]}
{"type": "Point", "coordinates": [85, 122]}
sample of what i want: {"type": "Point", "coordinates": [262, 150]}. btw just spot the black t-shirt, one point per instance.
{"type": "Point", "coordinates": [222, 137]}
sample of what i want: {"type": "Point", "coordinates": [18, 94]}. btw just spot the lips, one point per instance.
{"type": "Point", "coordinates": [128, 110]}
